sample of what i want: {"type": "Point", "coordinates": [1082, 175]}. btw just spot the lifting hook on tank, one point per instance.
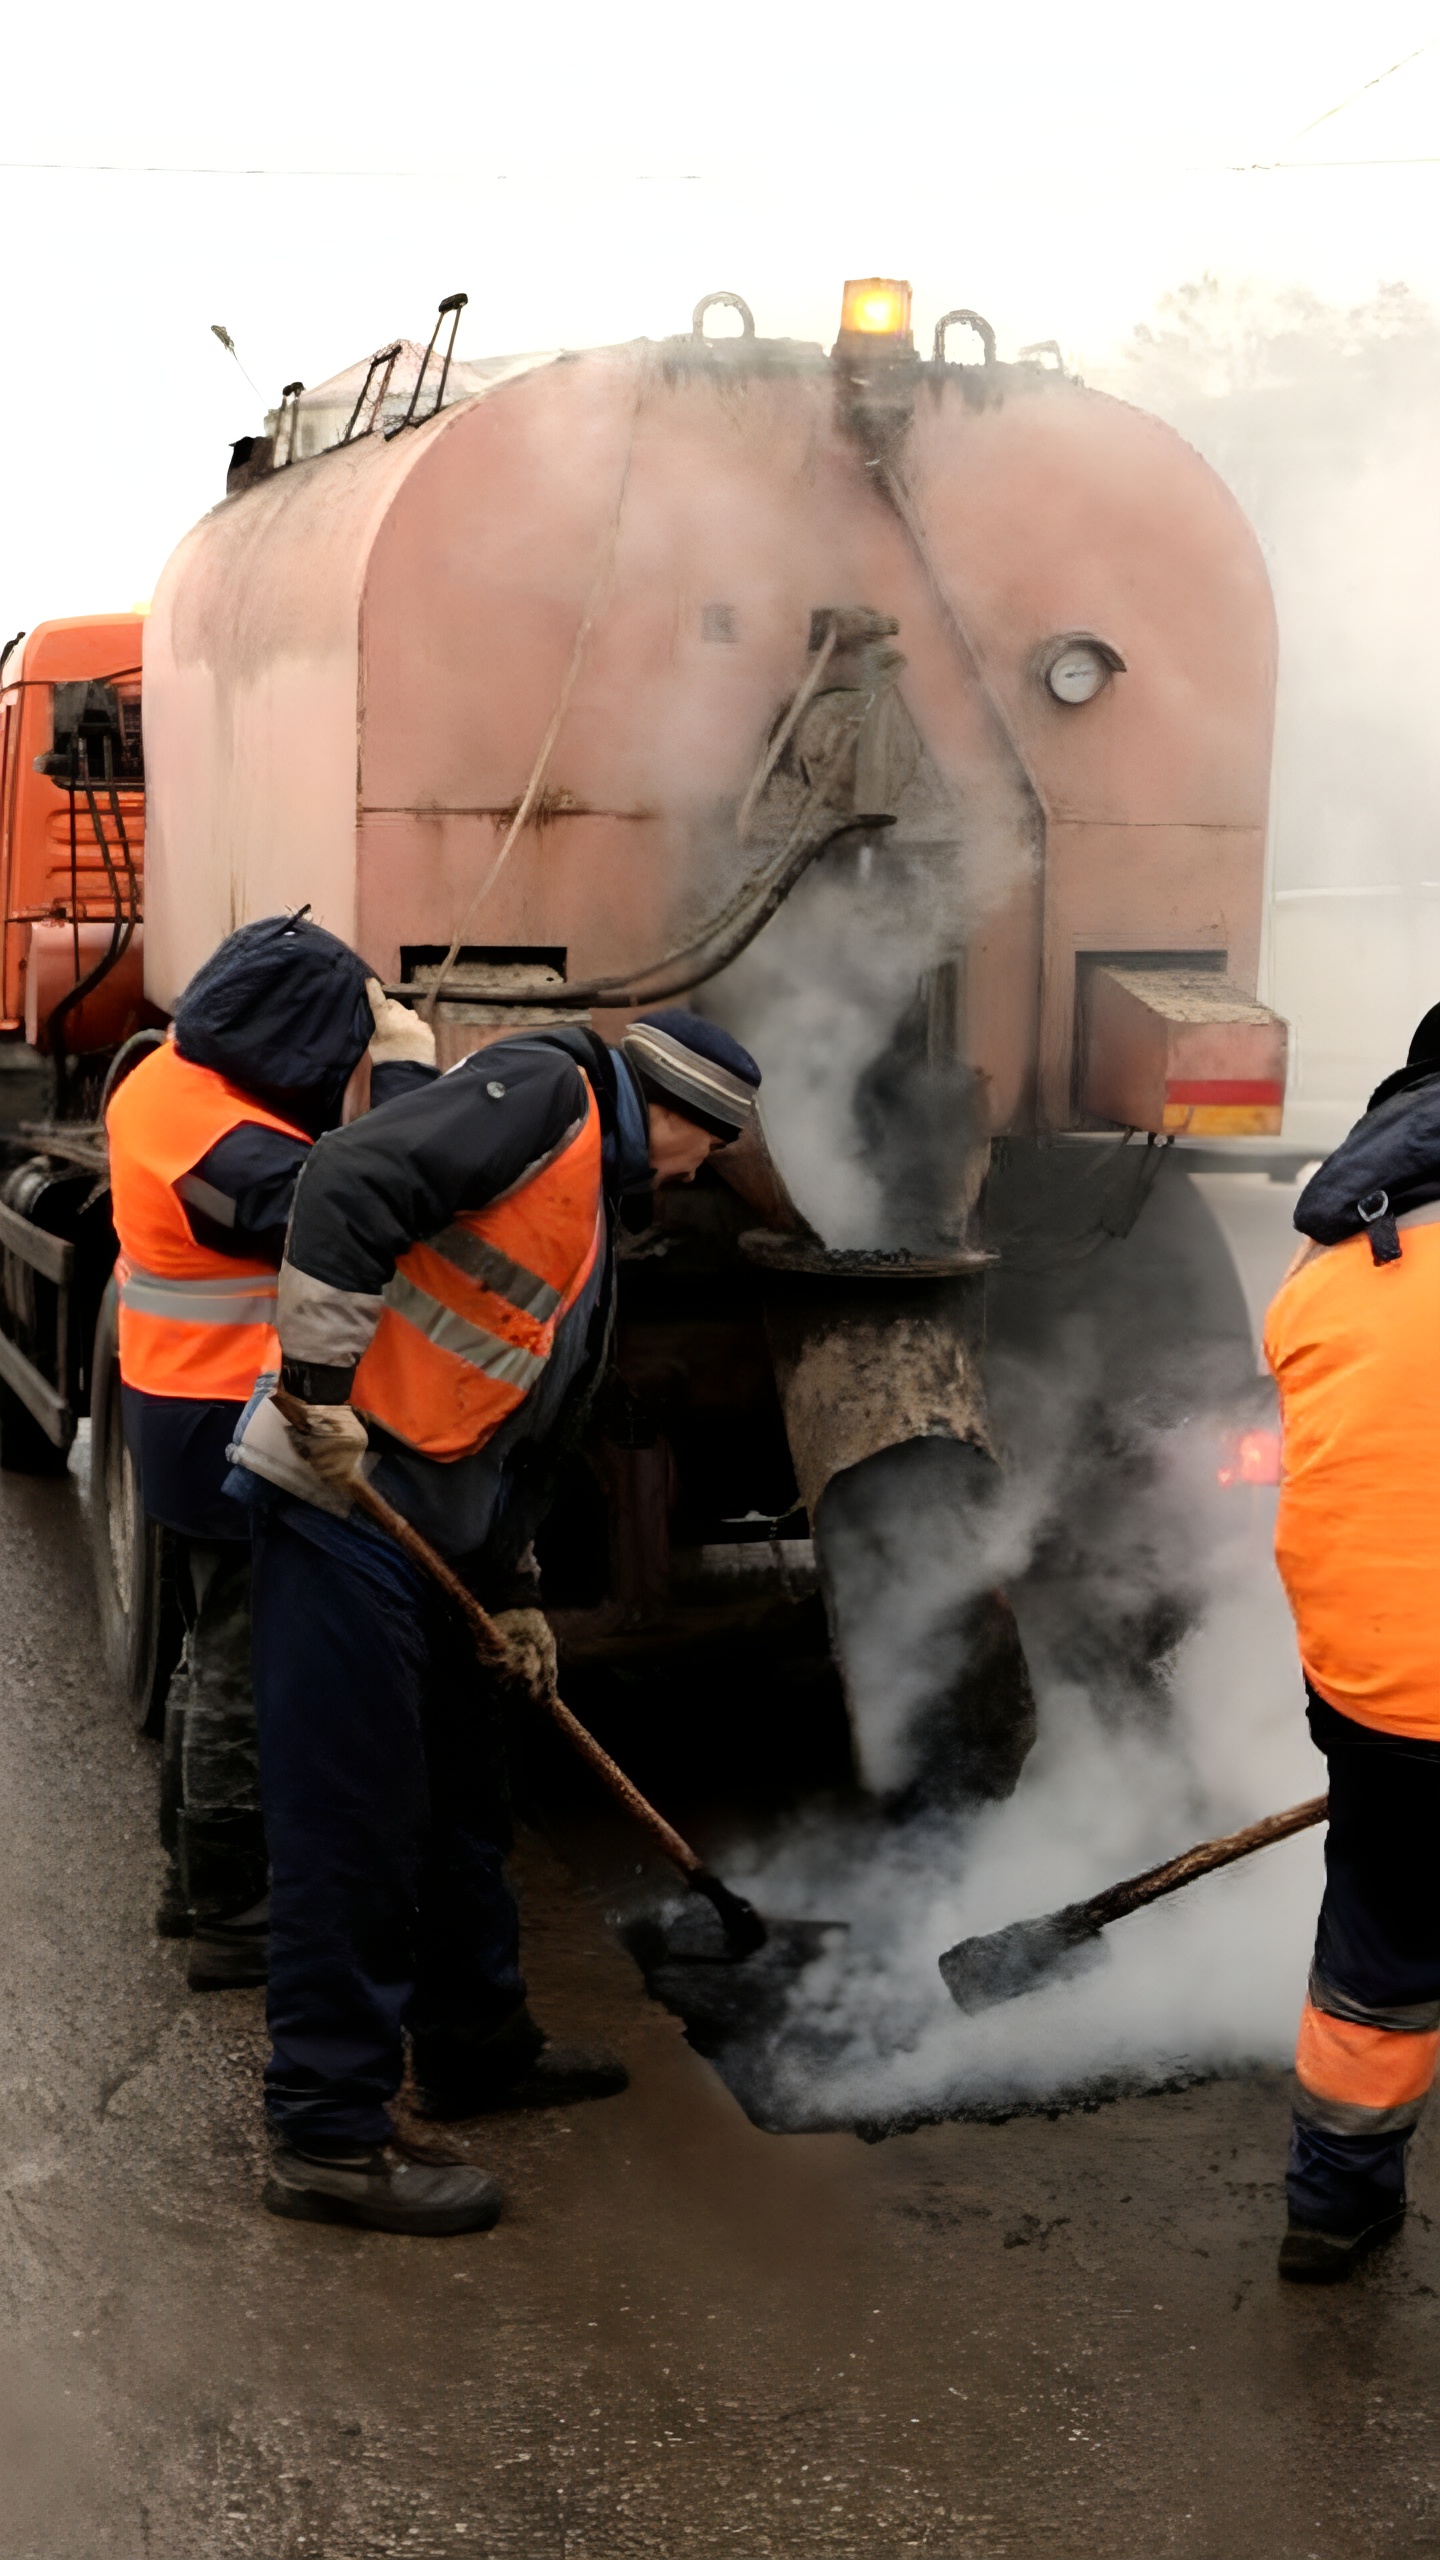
{"type": "Point", "coordinates": [454, 304]}
{"type": "Point", "coordinates": [968, 320]}
{"type": "Point", "coordinates": [385, 356]}
{"type": "Point", "coordinates": [727, 302]}
{"type": "Point", "coordinates": [290, 409]}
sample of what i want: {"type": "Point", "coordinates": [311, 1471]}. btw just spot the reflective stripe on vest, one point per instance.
{"type": "Point", "coordinates": [470, 1315]}
{"type": "Point", "coordinates": [239, 1301]}
{"type": "Point", "coordinates": [193, 1322]}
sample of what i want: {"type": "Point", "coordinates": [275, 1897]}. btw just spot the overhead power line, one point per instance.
{"type": "Point", "coordinates": [188, 169]}
{"type": "Point", "coordinates": [635, 177]}
{"type": "Point", "coordinates": [1261, 168]}
{"type": "Point", "coordinates": [1396, 160]}
{"type": "Point", "coordinates": [1364, 89]}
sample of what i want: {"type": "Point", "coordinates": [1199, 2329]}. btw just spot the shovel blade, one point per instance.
{"type": "Point", "coordinates": [978, 1973]}
{"type": "Point", "coordinates": [725, 2002]}
{"type": "Point", "coordinates": [745, 1931]}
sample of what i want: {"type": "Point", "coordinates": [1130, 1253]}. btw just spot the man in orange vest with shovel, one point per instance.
{"type": "Point", "coordinates": [207, 1136]}
{"type": "Point", "coordinates": [1354, 1341]}
{"type": "Point", "coordinates": [444, 1308]}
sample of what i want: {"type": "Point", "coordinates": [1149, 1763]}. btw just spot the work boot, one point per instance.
{"type": "Point", "coordinates": [231, 1955]}
{"type": "Point", "coordinates": [1309, 2255]}
{"type": "Point", "coordinates": [516, 2065]}
{"type": "Point", "coordinates": [390, 2186]}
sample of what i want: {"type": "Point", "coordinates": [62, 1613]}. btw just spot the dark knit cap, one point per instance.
{"type": "Point", "coordinates": [1422, 1062]}
{"type": "Point", "coordinates": [691, 1066]}
{"type": "Point", "coordinates": [281, 1010]}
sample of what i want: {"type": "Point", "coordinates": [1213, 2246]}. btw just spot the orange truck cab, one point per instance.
{"type": "Point", "coordinates": [72, 854]}
{"type": "Point", "coordinates": [72, 835]}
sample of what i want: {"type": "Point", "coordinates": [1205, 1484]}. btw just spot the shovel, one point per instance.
{"type": "Point", "coordinates": [745, 1932]}
{"type": "Point", "coordinates": [979, 1972]}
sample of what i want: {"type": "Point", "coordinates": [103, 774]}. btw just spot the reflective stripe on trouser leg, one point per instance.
{"type": "Point", "coordinates": [1368, 2038]}
{"type": "Point", "coordinates": [1365, 2078]}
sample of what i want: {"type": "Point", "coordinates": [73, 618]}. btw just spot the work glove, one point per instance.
{"type": "Point", "coordinates": [534, 1664]}
{"type": "Point", "coordinates": [332, 1439]}
{"type": "Point", "coordinates": [401, 1038]}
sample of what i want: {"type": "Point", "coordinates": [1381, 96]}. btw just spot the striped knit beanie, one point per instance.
{"type": "Point", "coordinates": [695, 1068]}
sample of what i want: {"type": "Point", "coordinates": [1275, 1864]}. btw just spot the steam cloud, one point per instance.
{"type": "Point", "coordinates": [823, 988]}
{"type": "Point", "coordinates": [874, 1138]}
{"type": "Point", "coordinates": [1126, 1772]}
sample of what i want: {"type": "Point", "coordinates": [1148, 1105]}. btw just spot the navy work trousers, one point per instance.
{"type": "Point", "coordinates": [1377, 1956]}
{"type": "Point", "coordinates": [386, 1814]}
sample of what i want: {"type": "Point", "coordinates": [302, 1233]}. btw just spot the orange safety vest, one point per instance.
{"type": "Point", "coordinates": [193, 1322]}
{"type": "Point", "coordinates": [469, 1318]}
{"type": "Point", "coordinates": [1355, 1348]}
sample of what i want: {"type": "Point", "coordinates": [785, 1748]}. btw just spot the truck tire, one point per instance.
{"type": "Point", "coordinates": [140, 1623]}
{"type": "Point", "coordinates": [26, 1449]}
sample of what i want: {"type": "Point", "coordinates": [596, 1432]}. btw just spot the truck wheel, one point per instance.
{"type": "Point", "coordinates": [26, 1450]}
{"type": "Point", "coordinates": [140, 1622]}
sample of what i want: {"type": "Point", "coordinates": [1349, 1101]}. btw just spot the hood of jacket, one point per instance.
{"type": "Point", "coordinates": [281, 1010]}
{"type": "Point", "coordinates": [1394, 1150]}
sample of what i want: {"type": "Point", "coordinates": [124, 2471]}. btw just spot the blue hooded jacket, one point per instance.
{"type": "Point", "coordinates": [280, 1009]}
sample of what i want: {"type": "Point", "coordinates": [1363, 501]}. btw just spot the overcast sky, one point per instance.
{"type": "Point", "coordinates": [584, 173]}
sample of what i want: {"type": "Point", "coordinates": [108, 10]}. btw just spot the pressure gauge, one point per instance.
{"type": "Point", "coordinates": [1077, 666]}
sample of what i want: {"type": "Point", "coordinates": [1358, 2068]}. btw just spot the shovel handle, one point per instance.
{"type": "Point", "coordinates": [489, 1642]}
{"type": "Point", "coordinates": [492, 1648]}
{"type": "Point", "coordinates": [1135, 1891]}
{"type": "Point", "coordinates": [677, 1850]}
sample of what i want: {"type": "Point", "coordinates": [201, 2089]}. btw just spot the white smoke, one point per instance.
{"type": "Point", "coordinates": [822, 993]}
{"type": "Point", "coordinates": [1118, 1781]}
{"type": "Point", "coordinates": [817, 996]}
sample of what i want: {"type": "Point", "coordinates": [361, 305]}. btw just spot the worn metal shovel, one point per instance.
{"type": "Point", "coordinates": [979, 1972]}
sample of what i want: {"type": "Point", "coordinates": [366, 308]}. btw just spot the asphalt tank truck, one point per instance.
{"type": "Point", "coordinates": [910, 714]}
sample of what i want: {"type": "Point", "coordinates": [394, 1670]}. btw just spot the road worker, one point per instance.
{"type": "Point", "coordinates": [1354, 1341]}
{"type": "Point", "coordinates": [444, 1308]}
{"type": "Point", "coordinates": [207, 1135]}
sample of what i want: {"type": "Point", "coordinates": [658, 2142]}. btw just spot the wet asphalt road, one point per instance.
{"type": "Point", "coordinates": [685, 2337]}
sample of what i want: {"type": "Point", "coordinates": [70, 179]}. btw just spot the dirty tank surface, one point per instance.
{"type": "Point", "coordinates": [686, 2336]}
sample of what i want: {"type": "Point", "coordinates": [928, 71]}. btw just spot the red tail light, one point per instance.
{"type": "Point", "coordinates": [1251, 1457]}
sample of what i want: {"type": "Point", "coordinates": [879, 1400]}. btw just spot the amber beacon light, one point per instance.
{"type": "Point", "coordinates": [876, 307]}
